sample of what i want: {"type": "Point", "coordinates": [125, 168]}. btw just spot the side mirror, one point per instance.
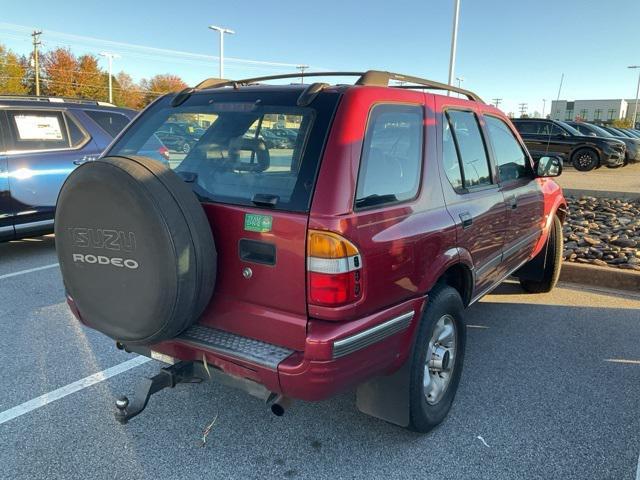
{"type": "Point", "coordinates": [550, 166]}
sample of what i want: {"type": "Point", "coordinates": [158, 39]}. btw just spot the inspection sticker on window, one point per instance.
{"type": "Point", "coordinates": [36, 127]}
{"type": "Point", "coordinates": [257, 223]}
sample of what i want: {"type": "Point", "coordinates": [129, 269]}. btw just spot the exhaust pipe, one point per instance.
{"type": "Point", "coordinates": [278, 404]}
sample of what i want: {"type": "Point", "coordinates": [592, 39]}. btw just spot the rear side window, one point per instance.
{"type": "Point", "coordinates": [110, 122]}
{"type": "Point", "coordinates": [391, 155]}
{"type": "Point", "coordinates": [43, 130]}
{"type": "Point", "coordinates": [527, 128]}
{"type": "Point", "coordinates": [510, 158]}
{"type": "Point", "coordinates": [470, 148]}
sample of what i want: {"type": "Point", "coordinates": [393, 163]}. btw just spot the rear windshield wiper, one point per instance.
{"type": "Point", "coordinates": [375, 199]}
{"type": "Point", "coordinates": [265, 199]}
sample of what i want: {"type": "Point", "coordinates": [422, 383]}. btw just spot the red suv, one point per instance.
{"type": "Point", "coordinates": [342, 258]}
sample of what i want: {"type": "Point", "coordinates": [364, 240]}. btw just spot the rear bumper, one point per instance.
{"type": "Point", "coordinates": [337, 356]}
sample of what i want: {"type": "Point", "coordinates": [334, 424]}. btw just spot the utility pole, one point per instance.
{"type": "Point", "coordinates": [523, 109]}
{"type": "Point", "coordinates": [454, 42]}
{"type": "Point", "coordinates": [222, 31]}
{"type": "Point", "coordinates": [36, 65]}
{"type": "Point", "coordinates": [496, 101]}
{"type": "Point", "coordinates": [110, 57]}
{"type": "Point", "coordinates": [302, 68]}
{"type": "Point", "coordinates": [635, 109]}
{"type": "Point", "coordinates": [544, 104]}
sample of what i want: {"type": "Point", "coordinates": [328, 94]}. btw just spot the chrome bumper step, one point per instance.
{"type": "Point", "coordinates": [244, 348]}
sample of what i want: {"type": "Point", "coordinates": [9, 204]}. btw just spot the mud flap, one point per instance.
{"type": "Point", "coordinates": [387, 398]}
{"type": "Point", "coordinates": [534, 269]}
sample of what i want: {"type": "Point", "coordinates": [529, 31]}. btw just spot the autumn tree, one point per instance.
{"type": "Point", "coordinates": [60, 68]}
{"type": "Point", "coordinates": [161, 84]}
{"type": "Point", "coordinates": [126, 93]}
{"type": "Point", "coordinates": [12, 73]}
{"type": "Point", "coordinates": [90, 81]}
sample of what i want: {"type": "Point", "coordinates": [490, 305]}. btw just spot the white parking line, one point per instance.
{"type": "Point", "coordinates": [622, 360]}
{"type": "Point", "coordinates": [30, 270]}
{"type": "Point", "coordinates": [62, 392]}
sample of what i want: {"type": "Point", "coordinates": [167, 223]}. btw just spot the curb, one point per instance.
{"type": "Point", "coordinates": [577, 193]}
{"type": "Point", "coordinates": [606, 277]}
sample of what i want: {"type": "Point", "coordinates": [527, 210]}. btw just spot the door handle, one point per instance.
{"type": "Point", "coordinates": [467, 220]}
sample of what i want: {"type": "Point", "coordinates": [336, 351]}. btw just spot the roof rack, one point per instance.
{"type": "Point", "coordinates": [370, 77]}
{"type": "Point", "coordinates": [55, 100]}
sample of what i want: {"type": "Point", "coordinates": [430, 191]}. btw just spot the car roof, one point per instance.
{"type": "Point", "coordinates": [59, 102]}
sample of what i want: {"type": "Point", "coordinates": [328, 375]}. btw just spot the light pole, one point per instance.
{"type": "Point", "coordinates": [110, 57]}
{"type": "Point", "coordinates": [454, 42]}
{"type": "Point", "coordinates": [459, 80]}
{"type": "Point", "coordinates": [222, 31]}
{"type": "Point", "coordinates": [302, 68]}
{"type": "Point", "coordinates": [544, 104]}
{"type": "Point", "coordinates": [635, 108]}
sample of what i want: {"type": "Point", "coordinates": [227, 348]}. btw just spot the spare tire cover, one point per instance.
{"type": "Point", "coordinates": [135, 248]}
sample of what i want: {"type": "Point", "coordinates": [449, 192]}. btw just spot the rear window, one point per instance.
{"type": "Point", "coordinates": [110, 122]}
{"type": "Point", "coordinates": [37, 130]}
{"type": "Point", "coordinates": [243, 148]}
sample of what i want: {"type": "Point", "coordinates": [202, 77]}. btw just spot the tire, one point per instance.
{"type": "Point", "coordinates": [585, 159]}
{"type": "Point", "coordinates": [186, 148]}
{"type": "Point", "coordinates": [444, 303]}
{"type": "Point", "coordinates": [552, 262]}
{"type": "Point", "coordinates": [135, 249]}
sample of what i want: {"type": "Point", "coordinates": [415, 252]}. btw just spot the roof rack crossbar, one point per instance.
{"type": "Point", "coordinates": [370, 77]}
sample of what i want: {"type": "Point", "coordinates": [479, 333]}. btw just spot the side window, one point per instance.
{"type": "Point", "coordinates": [110, 122]}
{"type": "Point", "coordinates": [471, 148]}
{"type": "Point", "coordinates": [450, 160]}
{"type": "Point", "coordinates": [76, 136]}
{"type": "Point", "coordinates": [510, 158]}
{"type": "Point", "coordinates": [549, 129]}
{"type": "Point", "coordinates": [527, 128]}
{"type": "Point", "coordinates": [391, 155]}
{"type": "Point", "coordinates": [37, 130]}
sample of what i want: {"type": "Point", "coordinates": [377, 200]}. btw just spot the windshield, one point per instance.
{"type": "Point", "coordinates": [600, 131]}
{"type": "Point", "coordinates": [237, 148]}
{"type": "Point", "coordinates": [570, 129]}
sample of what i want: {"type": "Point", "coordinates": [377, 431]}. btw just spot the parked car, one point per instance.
{"type": "Point", "coordinates": [41, 141]}
{"type": "Point", "coordinates": [178, 137]}
{"type": "Point", "coordinates": [348, 267]}
{"type": "Point", "coordinates": [584, 152]}
{"type": "Point", "coordinates": [632, 153]}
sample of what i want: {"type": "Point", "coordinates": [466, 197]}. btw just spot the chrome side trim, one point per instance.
{"type": "Point", "coordinates": [6, 229]}
{"type": "Point", "coordinates": [495, 285]}
{"type": "Point", "coordinates": [368, 337]}
{"type": "Point", "coordinates": [25, 227]}
{"type": "Point", "coordinates": [511, 250]}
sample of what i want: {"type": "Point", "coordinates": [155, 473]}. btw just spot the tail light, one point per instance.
{"type": "Point", "coordinates": [333, 265]}
{"type": "Point", "coordinates": [164, 151]}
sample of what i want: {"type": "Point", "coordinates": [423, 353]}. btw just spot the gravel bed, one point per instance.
{"type": "Point", "coordinates": [603, 232]}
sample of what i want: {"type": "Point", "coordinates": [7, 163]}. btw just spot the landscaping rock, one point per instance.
{"type": "Point", "coordinates": [603, 232]}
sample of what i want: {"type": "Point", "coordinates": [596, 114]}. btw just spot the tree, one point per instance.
{"type": "Point", "coordinates": [60, 68]}
{"type": "Point", "coordinates": [161, 84]}
{"type": "Point", "coordinates": [126, 93]}
{"type": "Point", "coordinates": [90, 80]}
{"type": "Point", "coordinates": [13, 70]}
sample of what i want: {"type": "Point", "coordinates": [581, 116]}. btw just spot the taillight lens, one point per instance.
{"type": "Point", "coordinates": [334, 264]}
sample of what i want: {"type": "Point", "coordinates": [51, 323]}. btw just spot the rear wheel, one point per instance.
{"type": "Point", "coordinates": [436, 364]}
{"type": "Point", "coordinates": [585, 159]}
{"type": "Point", "coordinates": [186, 148]}
{"type": "Point", "coordinates": [552, 262]}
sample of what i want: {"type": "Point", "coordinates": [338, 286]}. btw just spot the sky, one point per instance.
{"type": "Point", "coordinates": [515, 50]}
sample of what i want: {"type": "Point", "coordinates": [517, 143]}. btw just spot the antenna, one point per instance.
{"type": "Point", "coordinates": [546, 150]}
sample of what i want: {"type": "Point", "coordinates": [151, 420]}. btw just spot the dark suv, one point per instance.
{"type": "Point", "coordinates": [632, 153]}
{"type": "Point", "coordinates": [41, 141]}
{"type": "Point", "coordinates": [584, 152]}
{"type": "Point", "coordinates": [344, 261]}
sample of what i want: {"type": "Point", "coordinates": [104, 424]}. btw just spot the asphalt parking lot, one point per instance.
{"type": "Point", "coordinates": [539, 398]}
{"type": "Point", "coordinates": [625, 180]}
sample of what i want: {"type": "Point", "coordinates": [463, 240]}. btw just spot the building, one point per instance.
{"type": "Point", "coordinates": [599, 111]}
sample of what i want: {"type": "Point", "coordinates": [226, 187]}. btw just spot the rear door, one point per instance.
{"type": "Point", "coordinates": [44, 147]}
{"type": "Point", "coordinates": [522, 193]}
{"type": "Point", "coordinates": [474, 201]}
{"type": "Point", "coordinates": [256, 198]}
{"type": "Point", "coordinates": [6, 209]}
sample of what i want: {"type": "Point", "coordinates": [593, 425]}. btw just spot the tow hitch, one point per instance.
{"type": "Point", "coordinates": [169, 377]}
